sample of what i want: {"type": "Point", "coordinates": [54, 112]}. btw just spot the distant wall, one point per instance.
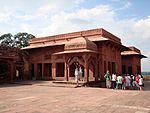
{"type": "Point", "coordinates": [146, 77]}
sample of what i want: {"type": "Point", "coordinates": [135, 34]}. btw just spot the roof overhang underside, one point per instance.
{"type": "Point", "coordinates": [42, 46]}
{"type": "Point", "coordinates": [119, 45]}
{"type": "Point", "coordinates": [131, 53]}
{"type": "Point", "coordinates": [75, 51]}
{"type": "Point", "coordinates": [60, 43]}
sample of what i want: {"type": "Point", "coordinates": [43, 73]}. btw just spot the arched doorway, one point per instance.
{"type": "Point", "coordinates": [93, 68]}
{"type": "Point", "coordinates": [76, 62]}
{"type": "Point", "coordinates": [72, 68]}
{"type": "Point", "coordinates": [4, 71]}
{"type": "Point", "coordinates": [19, 73]}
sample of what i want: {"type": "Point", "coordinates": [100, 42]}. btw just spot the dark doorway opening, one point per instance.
{"type": "Point", "coordinates": [109, 67]}
{"type": "Point", "coordinates": [60, 69]}
{"type": "Point", "coordinates": [19, 75]}
{"type": "Point", "coordinates": [72, 70]}
{"type": "Point", "coordinates": [124, 69]}
{"type": "Point", "coordinates": [4, 71]}
{"type": "Point", "coordinates": [105, 67]}
{"type": "Point", "coordinates": [47, 70]}
{"type": "Point", "coordinates": [39, 70]}
{"type": "Point", "coordinates": [113, 67]}
{"type": "Point", "coordinates": [32, 71]}
{"type": "Point", "coordinates": [130, 70]}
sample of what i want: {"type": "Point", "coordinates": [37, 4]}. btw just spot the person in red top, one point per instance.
{"type": "Point", "coordinates": [137, 78]}
{"type": "Point", "coordinates": [124, 83]}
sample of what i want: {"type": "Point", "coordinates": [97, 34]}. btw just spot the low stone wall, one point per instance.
{"type": "Point", "coordinates": [146, 77]}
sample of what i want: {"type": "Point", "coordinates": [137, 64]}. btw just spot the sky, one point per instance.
{"type": "Point", "coordinates": [127, 19]}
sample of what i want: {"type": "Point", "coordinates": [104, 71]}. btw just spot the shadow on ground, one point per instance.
{"type": "Point", "coordinates": [98, 84]}
{"type": "Point", "coordinates": [20, 83]}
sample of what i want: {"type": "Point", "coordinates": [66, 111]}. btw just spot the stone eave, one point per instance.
{"type": "Point", "coordinates": [133, 53]}
{"type": "Point", "coordinates": [41, 45]}
{"type": "Point", "coordinates": [75, 51]}
{"type": "Point", "coordinates": [86, 33]}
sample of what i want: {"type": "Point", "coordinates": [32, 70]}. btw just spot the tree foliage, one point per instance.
{"type": "Point", "coordinates": [6, 39]}
{"type": "Point", "coordinates": [19, 40]}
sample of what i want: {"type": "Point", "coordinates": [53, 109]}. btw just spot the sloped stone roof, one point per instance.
{"type": "Point", "coordinates": [80, 43]}
{"type": "Point", "coordinates": [133, 51]}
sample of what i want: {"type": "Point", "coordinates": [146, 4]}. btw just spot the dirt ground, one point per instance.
{"type": "Point", "coordinates": [43, 97]}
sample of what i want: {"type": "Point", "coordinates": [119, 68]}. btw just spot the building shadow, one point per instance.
{"type": "Point", "coordinates": [18, 83]}
{"type": "Point", "coordinates": [97, 84]}
{"type": "Point", "coordinates": [101, 84]}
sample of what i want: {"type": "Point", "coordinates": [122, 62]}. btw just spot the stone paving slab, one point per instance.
{"type": "Point", "coordinates": [43, 99]}
{"type": "Point", "coordinates": [46, 83]}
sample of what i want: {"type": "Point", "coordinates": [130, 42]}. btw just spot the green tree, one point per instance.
{"type": "Point", "coordinates": [19, 40]}
{"type": "Point", "coordinates": [22, 39]}
{"type": "Point", "coordinates": [6, 40]}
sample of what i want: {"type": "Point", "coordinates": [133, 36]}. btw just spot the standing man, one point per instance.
{"type": "Point", "coordinates": [119, 82]}
{"type": "Point", "coordinates": [76, 73]}
{"type": "Point", "coordinates": [107, 77]}
{"type": "Point", "coordinates": [128, 81]}
{"type": "Point", "coordinates": [80, 72]}
{"type": "Point", "coordinates": [113, 80]}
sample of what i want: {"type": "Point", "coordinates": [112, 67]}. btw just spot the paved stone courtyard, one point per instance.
{"type": "Point", "coordinates": [42, 98]}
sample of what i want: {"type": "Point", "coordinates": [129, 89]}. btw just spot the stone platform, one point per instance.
{"type": "Point", "coordinates": [42, 97]}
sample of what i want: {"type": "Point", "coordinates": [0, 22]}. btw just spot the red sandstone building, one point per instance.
{"type": "Point", "coordinates": [96, 50]}
{"type": "Point", "coordinates": [11, 64]}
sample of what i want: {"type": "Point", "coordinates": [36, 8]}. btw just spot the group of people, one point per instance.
{"type": "Point", "coordinates": [125, 81]}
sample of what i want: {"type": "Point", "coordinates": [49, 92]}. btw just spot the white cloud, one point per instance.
{"type": "Point", "coordinates": [57, 6]}
{"type": "Point", "coordinates": [79, 20]}
{"type": "Point", "coordinates": [146, 62]}
{"type": "Point", "coordinates": [99, 16]}
{"type": "Point", "coordinates": [5, 15]}
{"type": "Point", "coordinates": [79, 1]}
{"type": "Point", "coordinates": [142, 27]}
{"type": "Point", "coordinates": [26, 28]}
{"type": "Point", "coordinates": [25, 17]}
{"type": "Point", "coordinates": [126, 5]}
{"type": "Point", "coordinates": [44, 10]}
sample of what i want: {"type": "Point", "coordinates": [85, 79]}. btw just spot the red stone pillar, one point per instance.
{"type": "Point", "coordinates": [53, 68]}
{"type": "Point", "coordinates": [86, 71]}
{"type": "Point", "coordinates": [86, 67]}
{"type": "Point", "coordinates": [35, 70]}
{"type": "Point", "coordinates": [11, 72]}
{"type": "Point", "coordinates": [66, 71]}
{"type": "Point", "coordinates": [43, 69]}
{"type": "Point", "coordinates": [118, 62]}
{"type": "Point", "coordinates": [27, 68]}
{"type": "Point", "coordinates": [103, 66]}
{"type": "Point", "coordinates": [96, 71]}
{"type": "Point", "coordinates": [101, 69]}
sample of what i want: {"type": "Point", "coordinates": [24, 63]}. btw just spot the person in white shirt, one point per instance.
{"type": "Point", "coordinates": [141, 82]}
{"type": "Point", "coordinates": [128, 81]}
{"type": "Point", "coordinates": [113, 80]}
{"type": "Point", "coordinates": [119, 82]}
{"type": "Point", "coordinates": [76, 73]}
{"type": "Point", "coordinates": [80, 72]}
